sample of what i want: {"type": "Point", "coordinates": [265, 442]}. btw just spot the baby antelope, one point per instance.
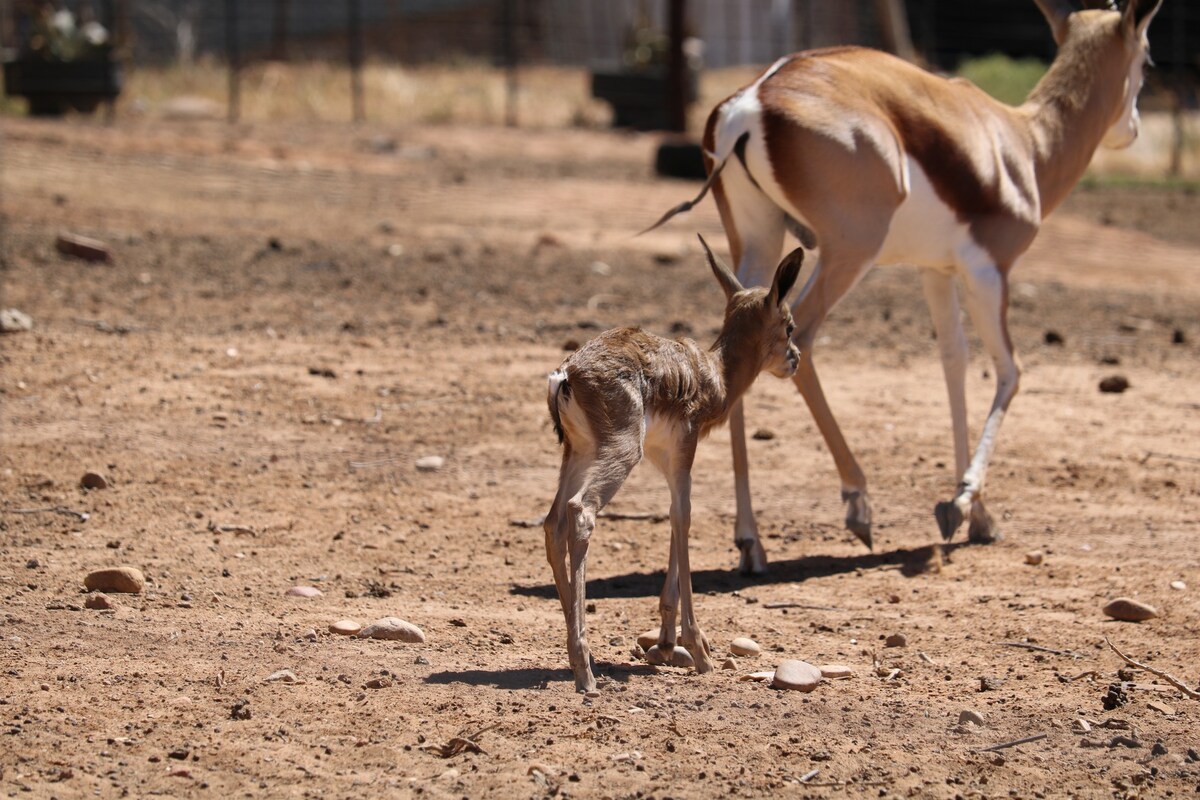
{"type": "Point", "coordinates": [627, 393]}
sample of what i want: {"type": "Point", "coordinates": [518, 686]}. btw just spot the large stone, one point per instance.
{"type": "Point", "coordinates": [795, 675]}
{"type": "Point", "coordinates": [743, 646]}
{"type": "Point", "coordinates": [650, 638]}
{"type": "Point", "coordinates": [126, 580]}
{"type": "Point", "coordinates": [393, 629]}
{"type": "Point", "coordinates": [1129, 610]}
{"type": "Point", "coordinates": [345, 627]}
{"type": "Point", "coordinates": [680, 657]}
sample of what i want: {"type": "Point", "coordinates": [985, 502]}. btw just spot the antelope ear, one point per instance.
{"type": "Point", "coordinates": [725, 277]}
{"type": "Point", "coordinates": [1137, 15]}
{"type": "Point", "coordinates": [785, 276]}
{"type": "Point", "coordinates": [1056, 13]}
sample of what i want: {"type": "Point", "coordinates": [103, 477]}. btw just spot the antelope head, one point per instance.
{"type": "Point", "coordinates": [760, 313]}
{"type": "Point", "coordinates": [1121, 34]}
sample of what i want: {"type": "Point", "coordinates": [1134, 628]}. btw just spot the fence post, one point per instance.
{"type": "Point", "coordinates": [234, 55]}
{"type": "Point", "coordinates": [354, 29]}
{"type": "Point", "coordinates": [508, 25]}
{"type": "Point", "coordinates": [676, 72]}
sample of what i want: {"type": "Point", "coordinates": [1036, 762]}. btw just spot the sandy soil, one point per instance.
{"type": "Point", "coordinates": [294, 316]}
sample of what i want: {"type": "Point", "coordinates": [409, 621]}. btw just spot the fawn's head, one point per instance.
{"type": "Point", "coordinates": [758, 323]}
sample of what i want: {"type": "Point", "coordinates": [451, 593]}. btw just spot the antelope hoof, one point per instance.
{"type": "Point", "coordinates": [754, 557]}
{"type": "Point", "coordinates": [701, 654]}
{"type": "Point", "coordinates": [858, 516]}
{"type": "Point", "coordinates": [585, 681]}
{"type": "Point", "coordinates": [949, 517]}
{"type": "Point", "coordinates": [983, 529]}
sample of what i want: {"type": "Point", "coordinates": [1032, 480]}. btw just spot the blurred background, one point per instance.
{"type": "Point", "coordinates": [529, 63]}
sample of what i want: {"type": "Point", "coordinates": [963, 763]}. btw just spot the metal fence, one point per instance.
{"type": "Point", "coordinates": [574, 33]}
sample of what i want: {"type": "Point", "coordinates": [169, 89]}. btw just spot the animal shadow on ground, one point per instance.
{"type": "Point", "coordinates": [514, 679]}
{"type": "Point", "coordinates": [910, 562]}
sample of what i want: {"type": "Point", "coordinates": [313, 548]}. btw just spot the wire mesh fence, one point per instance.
{"type": "Point", "coordinates": [392, 60]}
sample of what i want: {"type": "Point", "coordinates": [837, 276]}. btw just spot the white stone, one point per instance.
{"type": "Point", "coordinates": [304, 591]}
{"type": "Point", "coordinates": [393, 629]}
{"type": "Point", "coordinates": [742, 646]}
{"type": "Point", "coordinates": [1178, 586]}
{"type": "Point", "coordinates": [1034, 557]}
{"type": "Point", "coordinates": [967, 716]}
{"type": "Point", "coordinates": [430, 463]}
{"type": "Point", "coordinates": [796, 675]}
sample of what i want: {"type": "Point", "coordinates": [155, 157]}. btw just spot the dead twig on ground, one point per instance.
{"type": "Point", "coordinates": [464, 742]}
{"type": "Point", "coordinates": [1169, 457]}
{"type": "Point", "coordinates": [1040, 649]}
{"type": "Point", "coordinates": [1166, 676]}
{"type": "Point", "coordinates": [647, 516]}
{"type": "Point", "coordinates": [800, 605]}
{"type": "Point", "coordinates": [1013, 743]}
{"type": "Point", "coordinates": [82, 516]}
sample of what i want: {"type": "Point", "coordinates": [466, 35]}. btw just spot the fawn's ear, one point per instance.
{"type": "Point", "coordinates": [1137, 15]}
{"type": "Point", "coordinates": [725, 277]}
{"type": "Point", "coordinates": [785, 276]}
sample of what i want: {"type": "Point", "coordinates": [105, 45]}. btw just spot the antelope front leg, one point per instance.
{"type": "Point", "coordinates": [668, 605]}
{"type": "Point", "coordinates": [691, 637]}
{"type": "Point", "coordinates": [753, 560]}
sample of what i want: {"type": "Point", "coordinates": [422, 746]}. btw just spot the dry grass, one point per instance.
{"type": "Point", "coordinates": [466, 93]}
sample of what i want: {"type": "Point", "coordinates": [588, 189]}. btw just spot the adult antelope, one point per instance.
{"type": "Point", "coordinates": [874, 160]}
{"type": "Point", "coordinates": [627, 392]}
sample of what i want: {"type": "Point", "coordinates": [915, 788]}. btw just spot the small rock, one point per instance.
{"type": "Point", "coordinates": [764, 435]}
{"type": "Point", "coordinates": [987, 684]}
{"type": "Point", "coordinates": [650, 638]}
{"type": "Point", "coordinates": [1054, 338]}
{"type": "Point", "coordinates": [345, 627]}
{"type": "Point", "coordinates": [282, 676]}
{"type": "Point", "coordinates": [126, 580]}
{"type": "Point", "coordinates": [14, 321]}
{"type": "Point", "coordinates": [99, 601]}
{"type": "Point", "coordinates": [1192, 756]}
{"type": "Point", "coordinates": [179, 753]}
{"type": "Point", "coordinates": [1081, 726]}
{"type": "Point", "coordinates": [71, 244]}
{"type": "Point", "coordinates": [795, 675]}
{"type": "Point", "coordinates": [766, 675]}
{"type": "Point", "coordinates": [422, 660]}
{"type": "Point", "coordinates": [430, 463]}
{"type": "Point", "coordinates": [896, 640]}
{"type": "Point", "coordinates": [1129, 610]}
{"type": "Point", "coordinates": [304, 591]}
{"type": "Point", "coordinates": [729, 663]}
{"type": "Point", "coordinates": [1178, 586]}
{"type": "Point", "coordinates": [240, 709]}
{"type": "Point", "coordinates": [393, 629]}
{"type": "Point", "coordinates": [378, 683]}
{"type": "Point", "coordinates": [1178, 336]}
{"type": "Point", "coordinates": [1161, 708]}
{"type": "Point", "coordinates": [967, 716]}
{"type": "Point", "coordinates": [835, 672]}
{"type": "Point", "coordinates": [93, 480]}
{"type": "Point", "coordinates": [680, 657]}
{"type": "Point", "coordinates": [743, 646]}
{"type": "Point", "coordinates": [310, 635]}
{"type": "Point", "coordinates": [1159, 749]}
{"type": "Point", "coordinates": [617, 641]}
{"type": "Point", "coordinates": [1034, 557]}
{"type": "Point", "coordinates": [1114, 384]}
{"type": "Point", "coordinates": [1124, 741]}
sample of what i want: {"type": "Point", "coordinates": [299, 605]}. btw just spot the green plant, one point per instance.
{"type": "Point", "coordinates": [1007, 79]}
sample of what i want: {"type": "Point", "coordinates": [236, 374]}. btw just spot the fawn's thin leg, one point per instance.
{"type": "Point", "coordinates": [680, 479]}
{"type": "Point", "coordinates": [602, 479]}
{"type": "Point", "coordinates": [558, 533]}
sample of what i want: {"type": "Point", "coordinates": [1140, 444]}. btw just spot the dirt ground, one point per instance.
{"type": "Point", "coordinates": [295, 315]}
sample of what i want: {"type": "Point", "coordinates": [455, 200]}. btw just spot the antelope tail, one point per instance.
{"type": "Point", "coordinates": [739, 149]}
{"type": "Point", "coordinates": [557, 388]}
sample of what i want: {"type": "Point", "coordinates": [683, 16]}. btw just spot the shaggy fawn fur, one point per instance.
{"type": "Point", "coordinates": [627, 393]}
